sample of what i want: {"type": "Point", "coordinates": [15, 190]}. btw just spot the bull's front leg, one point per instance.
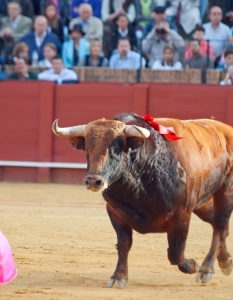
{"type": "Point", "coordinates": [177, 235]}
{"type": "Point", "coordinates": [124, 243]}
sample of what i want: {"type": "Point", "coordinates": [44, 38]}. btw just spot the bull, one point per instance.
{"type": "Point", "coordinates": [152, 184]}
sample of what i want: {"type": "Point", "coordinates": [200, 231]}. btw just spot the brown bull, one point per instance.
{"type": "Point", "coordinates": [152, 184]}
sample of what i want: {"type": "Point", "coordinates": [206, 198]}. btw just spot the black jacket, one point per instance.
{"type": "Point", "coordinates": [59, 30]}
{"type": "Point", "coordinates": [131, 35]}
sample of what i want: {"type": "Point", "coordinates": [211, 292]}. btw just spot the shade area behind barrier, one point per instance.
{"type": "Point", "coordinates": [27, 110]}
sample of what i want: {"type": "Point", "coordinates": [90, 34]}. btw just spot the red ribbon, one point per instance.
{"type": "Point", "coordinates": [168, 132]}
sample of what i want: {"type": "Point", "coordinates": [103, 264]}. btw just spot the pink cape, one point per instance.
{"type": "Point", "coordinates": [7, 267]}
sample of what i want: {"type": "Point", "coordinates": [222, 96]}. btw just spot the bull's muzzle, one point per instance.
{"type": "Point", "coordinates": [95, 183]}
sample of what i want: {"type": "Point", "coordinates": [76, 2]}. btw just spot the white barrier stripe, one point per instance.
{"type": "Point", "coordinates": [35, 164]}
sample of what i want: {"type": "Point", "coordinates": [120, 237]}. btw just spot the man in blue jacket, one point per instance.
{"type": "Point", "coordinates": [39, 37]}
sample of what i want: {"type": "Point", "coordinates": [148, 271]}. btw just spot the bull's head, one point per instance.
{"type": "Point", "coordinates": [106, 143]}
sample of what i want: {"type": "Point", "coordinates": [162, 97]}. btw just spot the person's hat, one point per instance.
{"type": "Point", "coordinates": [77, 27]}
{"type": "Point", "coordinates": [160, 9]}
{"type": "Point", "coordinates": [7, 267]}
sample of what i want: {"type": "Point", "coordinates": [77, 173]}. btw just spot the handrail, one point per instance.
{"type": "Point", "coordinates": [35, 164]}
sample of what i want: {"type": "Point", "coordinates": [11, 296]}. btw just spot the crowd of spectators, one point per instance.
{"type": "Point", "coordinates": [121, 34]}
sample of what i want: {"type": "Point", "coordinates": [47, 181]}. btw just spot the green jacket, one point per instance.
{"type": "Point", "coordinates": [31, 75]}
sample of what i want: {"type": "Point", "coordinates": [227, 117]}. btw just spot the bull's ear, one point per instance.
{"type": "Point", "coordinates": [134, 142]}
{"type": "Point", "coordinates": [77, 142]}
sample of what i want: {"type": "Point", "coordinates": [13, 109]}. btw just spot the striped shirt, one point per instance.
{"type": "Point", "coordinates": [131, 61]}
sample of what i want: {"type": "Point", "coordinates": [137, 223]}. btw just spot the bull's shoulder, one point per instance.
{"type": "Point", "coordinates": [202, 134]}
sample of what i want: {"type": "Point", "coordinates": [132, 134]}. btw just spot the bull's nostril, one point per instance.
{"type": "Point", "coordinates": [98, 183]}
{"type": "Point", "coordinates": [86, 182]}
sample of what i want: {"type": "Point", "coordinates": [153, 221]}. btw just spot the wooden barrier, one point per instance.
{"type": "Point", "coordinates": [92, 74]}
{"type": "Point", "coordinates": [27, 110]}
{"type": "Point", "coordinates": [181, 76]}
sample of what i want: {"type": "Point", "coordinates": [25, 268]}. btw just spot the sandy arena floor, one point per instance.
{"type": "Point", "coordinates": [64, 248]}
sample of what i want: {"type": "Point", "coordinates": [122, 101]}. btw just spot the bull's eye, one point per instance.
{"type": "Point", "coordinates": [116, 147]}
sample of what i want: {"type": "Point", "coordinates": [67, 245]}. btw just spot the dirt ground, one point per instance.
{"type": "Point", "coordinates": [64, 248]}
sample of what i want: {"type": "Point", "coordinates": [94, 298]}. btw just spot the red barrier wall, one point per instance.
{"type": "Point", "coordinates": [27, 110]}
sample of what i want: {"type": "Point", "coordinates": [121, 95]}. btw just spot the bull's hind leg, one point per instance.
{"type": "Point", "coordinates": [206, 213]}
{"type": "Point", "coordinates": [222, 208]}
{"type": "Point", "coordinates": [177, 235]}
{"type": "Point", "coordinates": [124, 243]}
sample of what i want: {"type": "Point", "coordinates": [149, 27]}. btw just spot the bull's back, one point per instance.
{"type": "Point", "coordinates": [205, 153]}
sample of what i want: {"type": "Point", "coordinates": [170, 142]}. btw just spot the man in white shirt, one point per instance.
{"type": "Point", "coordinates": [125, 58]}
{"type": "Point", "coordinates": [216, 32]}
{"type": "Point", "coordinates": [58, 73]}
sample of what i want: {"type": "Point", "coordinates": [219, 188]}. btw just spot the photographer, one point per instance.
{"type": "Point", "coordinates": [161, 36]}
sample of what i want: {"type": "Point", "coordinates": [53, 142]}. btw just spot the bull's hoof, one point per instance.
{"type": "Point", "coordinates": [189, 266]}
{"type": "Point", "coordinates": [227, 270]}
{"type": "Point", "coordinates": [118, 283]}
{"type": "Point", "coordinates": [203, 277]}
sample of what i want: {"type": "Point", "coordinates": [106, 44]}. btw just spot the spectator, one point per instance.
{"type": "Point", "coordinates": [228, 59]}
{"type": "Point", "coordinates": [55, 25]}
{"type": "Point", "coordinates": [160, 36]}
{"type": "Point", "coordinates": [198, 60]}
{"type": "Point", "coordinates": [74, 50]}
{"type": "Point", "coordinates": [95, 4]}
{"type": "Point", "coordinates": [95, 58]}
{"type": "Point", "coordinates": [143, 13]}
{"type": "Point", "coordinates": [186, 13]}
{"type": "Point", "coordinates": [21, 50]}
{"type": "Point", "coordinates": [91, 26]}
{"type": "Point", "coordinates": [216, 32]}
{"type": "Point", "coordinates": [228, 13]}
{"type": "Point", "coordinates": [198, 34]}
{"type": "Point", "coordinates": [15, 25]}
{"type": "Point", "coordinates": [167, 63]}
{"type": "Point", "coordinates": [228, 79]}
{"type": "Point", "coordinates": [49, 52]}
{"type": "Point", "coordinates": [124, 30]}
{"type": "Point", "coordinates": [21, 70]}
{"type": "Point", "coordinates": [125, 58]}
{"type": "Point", "coordinates": [111, 9]}
{"type": "Point", "coordinates": [62, 8]}
{"type": "Point", "coordinates": [58, 73]}
{"type": "Point", "coordinates": [158, 15]}
{"type": "Point", "coordinates": [39, 37]}
{"type": "Point", "coordinates": [26, 5]}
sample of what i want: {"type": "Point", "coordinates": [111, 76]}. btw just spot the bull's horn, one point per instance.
{"type": "Point", "coordinates": [133, 130]}
{"type": "Point", "coordinates": [68, 131]}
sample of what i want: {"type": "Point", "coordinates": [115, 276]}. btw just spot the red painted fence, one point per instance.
{"type": "Point", "coordinates": [27, 110]}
